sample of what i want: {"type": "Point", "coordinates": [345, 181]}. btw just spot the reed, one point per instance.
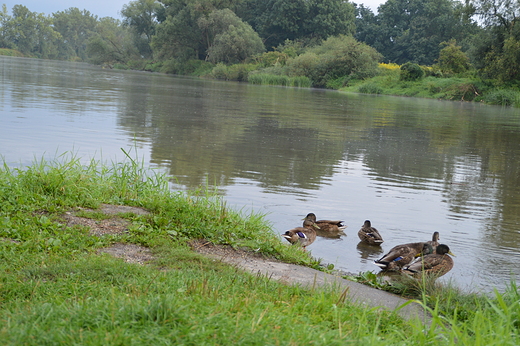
{"type": "Point", "coordinates": [272, 79]}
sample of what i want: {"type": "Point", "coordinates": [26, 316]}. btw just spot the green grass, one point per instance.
{"type": "Point", "coordinates": [452, 88]}
{"type": "Point", "coordinates": [272, 79]}
{"type": "Point", "coordinates": [56, 288]}
{"type": "Point", "coordinates": [10, 52]}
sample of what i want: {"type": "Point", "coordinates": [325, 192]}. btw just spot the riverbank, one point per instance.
{"type": "Point", "coordinates": [62, 284]}
{"type": "Point", "coordinates": [467, 87]}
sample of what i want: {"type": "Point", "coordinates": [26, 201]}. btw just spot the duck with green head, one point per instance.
{"type": "Point", "coordinates": [437, 264]}
{"type": "Point", "coordinates": [401, 255]}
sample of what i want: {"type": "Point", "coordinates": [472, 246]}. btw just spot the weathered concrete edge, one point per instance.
{"type": "Point", "coordinates": [308, 277]}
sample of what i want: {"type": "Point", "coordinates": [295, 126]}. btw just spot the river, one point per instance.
{"type": "Point", "coordinates": [411, 166]}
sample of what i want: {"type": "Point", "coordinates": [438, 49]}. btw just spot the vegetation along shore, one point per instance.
{"type": "Point", "coordinates": [63, 221]}
{"type": "Point", "coordinates": [444, 49]}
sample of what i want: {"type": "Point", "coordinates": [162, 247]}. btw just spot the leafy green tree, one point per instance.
{"type": "Point", "coordinates": [495, 50]}
{"type": "Point", "coordinates": [188, 30]}
{"type": "Point", "coordinates": [76, 27]}
{"type": "Point", "coordinates": [31, 33]}
{"type": "Point", "coordinates": [178, 35]}
{"type": "Point", "coordinates": [228, 38]}
{"type": "Point", "coordinates": [452, 59]}
{"type": "Point", "coordinates": [112, 43]}
{"type": "Point", "coordinates": [280, 20]}
{"type": "Point", "coordinates": [5, 22]}
{"type": "Point", "coordinates": [407, 30]}
{"type": "Point", "coordinates": [140, 15]}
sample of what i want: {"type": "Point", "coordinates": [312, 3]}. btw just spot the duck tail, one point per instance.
{"type": "Point", "coordinates": [381, 264]}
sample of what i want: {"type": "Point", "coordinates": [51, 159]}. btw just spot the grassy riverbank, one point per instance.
{"type": "Point", "coordinates": [57, 288]}
{"type": "Point", "coordinates": [454, 88]}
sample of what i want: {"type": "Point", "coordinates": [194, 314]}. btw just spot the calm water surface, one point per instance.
{"type": "Point", "coordinates": [411, 166]}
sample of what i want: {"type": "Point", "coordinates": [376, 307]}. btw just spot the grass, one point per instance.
{"type": "Point", "coordinates": [10, 52]}
{"type": "Point", "coordinates": [56, 288]}
{"type": "Point", "coordinates": [446, 88]}
{"type": "Point", "coordinates": [272, 79]}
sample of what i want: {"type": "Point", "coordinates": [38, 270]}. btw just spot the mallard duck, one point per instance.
{"type": "Point", "coordinates": [401, 255]}
{"type": "Point", "coordinates": [435, 241]}
{"type": "Point", "coordinates": [327, 225]}
{"type": "Point", "coordinates": [369, 234]}
{"type": "Point", "coordinates": [303, 236]}
{"type": "Point", "coordinates": [437, 264]}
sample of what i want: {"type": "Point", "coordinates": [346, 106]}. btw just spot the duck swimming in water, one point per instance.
{"type": "Point", "coordinates": [369, 234]}
{"type": "Point", "coordinates": [303, 236]}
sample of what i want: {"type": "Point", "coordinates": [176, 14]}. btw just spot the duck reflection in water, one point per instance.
{"type": "Point", "coordinates": [367, 251]}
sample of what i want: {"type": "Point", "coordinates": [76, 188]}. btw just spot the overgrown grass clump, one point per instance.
{"type": "Point", "coordinates": [56, 288]}
{"type": "Point", "coordinates": [283, 80]}
{"type": "Point", "coordinates": [10, 52]}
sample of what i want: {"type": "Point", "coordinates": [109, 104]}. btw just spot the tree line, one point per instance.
{"type": "Point", "coordinates": [321, 39]}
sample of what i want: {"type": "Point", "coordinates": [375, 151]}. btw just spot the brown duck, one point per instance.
{"type": "Point", "coordinates": [369, 234]}
{"type": "Point", "coordinates": [304, 236]}
{"type": "Point", "coordinates": [436, 264]}
{"type": "Point", "coordinates": [435, 240]}
{"type": "Point", "coordinates": [327, 225]}
{"type": "Point", "coordinates": [401, 255]}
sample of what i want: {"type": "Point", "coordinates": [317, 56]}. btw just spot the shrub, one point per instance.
{"type": "Point", "coordinates": [411, 72]}
{"type": "Point", "coordinates": [452, 60]}
{"type": "Point", "coordinates": [274, 58]}
{"type": "Point", "coordinates": [271, 79]}
{"type": "Point", "coordinates": [340, 56]}
{"type": "Point", "coordinates": [238, 72]}
{"type": "Point", "coordinates": [370, 89]}
{"type": "Point", "coordinates": [503, 97]}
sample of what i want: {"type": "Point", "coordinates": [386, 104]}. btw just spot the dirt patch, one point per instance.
{"type": "Point", "coordinates": [130, 253]}
{"type": "Point", "coordinates": [114, 225]}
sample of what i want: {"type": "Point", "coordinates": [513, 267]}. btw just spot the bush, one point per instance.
{"type": "Point", "coordinates": [411, 72]}
{"type": "Point", "coordinates": [237, 72]}
{"type": "Point", "coordinates": [274, 58]}
{"type": "Point", "coordinates": [272, 79]}
{"type": "Point", "coordinates": [503, 97]}
{"type": "Point", "coordinates": [341, 56]}
{"type": "Point", "coordinates": [370, 89]}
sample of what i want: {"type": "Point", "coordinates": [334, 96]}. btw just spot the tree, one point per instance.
{"type": "Point", "coordinates": [280, 20]}
{"type": "Point", "coordinates": [31, 33]}
{"type": "Point", "coordinates": [497, 46]}
{"type": "Point", "coordinates": [76, 27]}
{"type": "Point", "coordinates": [407, 30]}
{"type": "Point", "coordinates": [452, 59]}
{"type": "Point", "coordinates": [228, 38]}
{"type": "Point", "coordinates": [5, 22]}
{"type": "Point", "coordinates": [111, 43]}
{"type": "Point", "coordinates": [188, 29]}
{"type": "Point", "coordinates": [140, 16]}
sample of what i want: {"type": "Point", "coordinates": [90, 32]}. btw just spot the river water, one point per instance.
{"type": "Point", "coordinates": [411, 166]}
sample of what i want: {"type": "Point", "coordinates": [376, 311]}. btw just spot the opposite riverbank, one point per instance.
{"type": "Point", "coordinates": [65, 228]}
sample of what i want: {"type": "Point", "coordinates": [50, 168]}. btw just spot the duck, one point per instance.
{"type": "Point", "coordinates": [435, 240]}
{"type": "Point", "coordinates": [327, 225]}
{"type": "Point", "coordinates": [369, 234]}
{"type": "Point", "coordinates": [303, 236]}
{"type": "Point", "coordinates": [437, 264]}
{"type": "Point", "coordinates": [401, 255]}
